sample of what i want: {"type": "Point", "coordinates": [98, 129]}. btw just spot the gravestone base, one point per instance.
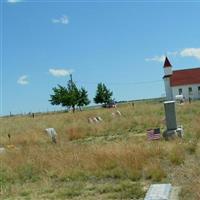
{"type": "Point", "coordinates": [167, 134]}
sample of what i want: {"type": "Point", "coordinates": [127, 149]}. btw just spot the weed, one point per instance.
{"type": "Point", "coordinates": [6, 177]}
{"type": "Point", "coordinates": [24, 193]}
{"type": "Point", "coordinates": [106, 188]}
{"type": "Point", "coordinates": [127, 190]}
{"type": "Point", "coordinates": [155, 173]}
{"type": "Point", "coordinates": [177, 155]}
{"type": "Point", "coordinates": [191, 146]}
{"type": "Point", "coordinates": [71, 190]}
{"type": "Point", "coordinates": [28, 172]}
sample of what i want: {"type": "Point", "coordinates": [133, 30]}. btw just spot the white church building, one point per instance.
{"type": "Point", "coordinates": [184, 82]}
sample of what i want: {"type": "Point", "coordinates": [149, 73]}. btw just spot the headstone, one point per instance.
{"type": "Point", "coordinates": [52, 134]}
{"type": "Point", "coordinates": [113, 114]}
{"type": "Point", "coordinates": [99, 118]}
{"type": "Point", "coordinates": [90, 120]}
{"type": "Point", "coordinates": [95, 120]}
{"type": "Point", "coordinates": [170, 115]}
{"type": "Point", "coordinates": [11, 146]}
{"type": "Point", "coordinates": [2, 150]}
{"type": "Point", "coordinates": [159, 192]}
{"type": "Point", "coordinates": [118, 113]}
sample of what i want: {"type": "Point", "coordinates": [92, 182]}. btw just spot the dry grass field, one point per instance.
{"type": "Point", "coordinates": [109, 160]}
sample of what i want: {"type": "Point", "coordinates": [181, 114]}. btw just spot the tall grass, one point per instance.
{"type": "Point", "coordinates": [81, 157]}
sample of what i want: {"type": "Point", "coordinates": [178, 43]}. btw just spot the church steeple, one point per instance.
{"type": "Point", "coordinates": [167, 75]}
{"type": "Point", "coordinates": [167, 63]}
{"type": "Point", "coordinates": [167, 67]}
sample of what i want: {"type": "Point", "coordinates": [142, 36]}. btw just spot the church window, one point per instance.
{"type": "Point", "coordinates": [190, 90]}
{"type": "Point", "coordinates": [180, 91]}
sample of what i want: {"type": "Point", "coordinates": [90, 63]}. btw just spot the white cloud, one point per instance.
{"type": "Point", "coordinates": [156, 59]}
{"type": "Point", "coordinates": [60, 72]}
{"type": "Point", "coordinates": [14, 1]}
{"type": "Point", "coordinates": [23, 80]}
{"type": "Point", "coordinates": [62, 20]}
{"type": "Point", "coordinates": [190, 52]}
{"type": "Point", "coordinates": [187, 52]}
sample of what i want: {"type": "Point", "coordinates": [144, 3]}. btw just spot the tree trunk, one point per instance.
{"type": "Point", "coordinates": [73, 108]}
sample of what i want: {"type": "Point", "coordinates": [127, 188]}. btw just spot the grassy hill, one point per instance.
{"type": "Point", "coordinates": [108, 160]}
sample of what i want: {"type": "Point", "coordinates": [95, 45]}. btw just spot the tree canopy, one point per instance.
{"type": "Point", "coordinates": [69, 96]}
{"type": "Point", "coordinates": [103, 95]}
{"type": "Point", "coordinates": [83, 98]}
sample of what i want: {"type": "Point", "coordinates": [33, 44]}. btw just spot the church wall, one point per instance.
{"type": "Point", "coordinates": [195, 94]}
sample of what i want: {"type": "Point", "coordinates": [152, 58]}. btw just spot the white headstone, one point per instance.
{"type": "Point", "coordinates": [159, 192]}
{"type": "Point", "coordinates": [99, 118]}
{"type": "Point", "coordinates": [113, 114]}
{"type": "Point", "coordinates": [90, 120]}
{"type": "Point", "coordinates": [51, 133]}
{"type": "Point", "coordinates": [2, 150]}
{"type": "Point", "coordinates": [118, 113]}
{"type": "Point", "coordinates": [95, 120]}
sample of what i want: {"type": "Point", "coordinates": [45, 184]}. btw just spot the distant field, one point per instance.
{"type": "Point", "coordinates": [108, 160]}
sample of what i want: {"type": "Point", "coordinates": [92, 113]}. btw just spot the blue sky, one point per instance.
{"type": "Point", "coordinates": [119, 43]}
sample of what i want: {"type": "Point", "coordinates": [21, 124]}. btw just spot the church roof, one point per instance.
{"type": "Point", "coordinates": [185, 77]}
{"type": "Point", "coordinates": [167, 63]}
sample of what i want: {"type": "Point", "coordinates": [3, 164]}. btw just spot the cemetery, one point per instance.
{"type": "Point", "coordinates": [136, 150]}
{"type": "Point", "coordinates": [99, 100]}
{"type": "Point", "coordinates": [131, 155]}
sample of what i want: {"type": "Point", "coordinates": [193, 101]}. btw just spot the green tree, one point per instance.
{"type": "Point", "coordinates": [103, 95]}
{"type": "Point", "coordinates": [69, 96]}
{"type": "Point", "coordinates": [83, 98]}
{"type": "Point", "coordinates": [59, 96]}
